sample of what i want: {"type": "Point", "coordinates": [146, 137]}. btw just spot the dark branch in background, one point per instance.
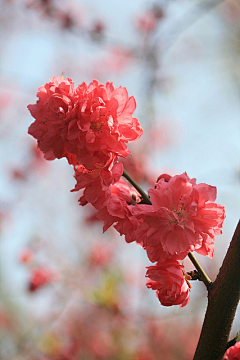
{"type": "Point", "coordinates": [223, 299]}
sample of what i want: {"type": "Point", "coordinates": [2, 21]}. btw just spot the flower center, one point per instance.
{"type": "Point", "coordinates": [177, 212]}
{"type": "Point", "coordinates": [97, 125]}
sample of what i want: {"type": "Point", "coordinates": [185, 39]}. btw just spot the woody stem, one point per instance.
{"type": "Point", "coordinates": [137, 187]}
{"type": "Point", "coordinates": [203, 275]}
{"type": "Point", "coordinates": [223, 299]}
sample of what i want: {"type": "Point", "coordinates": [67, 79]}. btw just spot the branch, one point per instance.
{"type": "Point", "coordinates": [203, 276]}
{"type": "Point", "coordinates": [223, 299]}
{"type": "Point", "coordinates": [137, 187]}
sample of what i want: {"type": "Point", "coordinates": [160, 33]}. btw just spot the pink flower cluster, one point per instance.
{"type": "Point", "coordinates": [90, 126]}
{"type": "Point", "coordinates": [182, 218]}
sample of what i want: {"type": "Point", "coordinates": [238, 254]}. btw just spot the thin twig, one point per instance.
{"type": "Point", "coordinates": [203, 275]}
{"type": "Point", "coordinates": [137, 187]}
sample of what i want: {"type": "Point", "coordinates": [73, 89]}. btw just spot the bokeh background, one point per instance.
{"type": "Point", "coordinates": [69, 292]}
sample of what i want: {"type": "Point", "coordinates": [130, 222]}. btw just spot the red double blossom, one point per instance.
{"type": "Point", "coordinates": [118, 210]}
{"type": "Point", "coordinates": [168, 280]}
{"type": "Point", "coordinates": [182, 218]}
{"type": "Point", "coordinates": [84, 121]}
{"type": "Point", "coordinates": [97, 181]}
{"type": "Point", "coordinates": [53, 112]}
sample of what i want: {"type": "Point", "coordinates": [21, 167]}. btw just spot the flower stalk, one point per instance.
{"type": "Point", "coordinates": [137, 187]}
{"type": "Point", "coordinates": [203, 276]}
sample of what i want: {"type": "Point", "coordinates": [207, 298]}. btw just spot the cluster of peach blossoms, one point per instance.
{"type": "Point", "coordinates": [90, 126]}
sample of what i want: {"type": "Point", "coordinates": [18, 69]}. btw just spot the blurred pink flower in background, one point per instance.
{"type": "Point", "coordinates": [137, 166]}
{"type": "Point", "coordinates": [115, 61]}
{"type": "Point", "coordinates": [97, 30]}
{"type": "Point", "coordinates": [26, 256]}
{"type": "Point", "coordinates": [231, 11]}
{"type": "Point", "coordinates": [36, 163]}
{"type": "Point", "coordinates": [146, 22]}
{"type": "Point", "coordinates": [5, 320]}
{"type": "Point", "coordinates": [100, 254]}
{"type": "Point", "coordinates": [17, 174]}
{"type": "Point", "coordinates": [39, 278]}
{"type": "Point", "coordinates": [5, 99]}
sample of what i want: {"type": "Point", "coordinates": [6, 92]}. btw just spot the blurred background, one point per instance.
{"type": "Point", "coordinates": [69, 292]}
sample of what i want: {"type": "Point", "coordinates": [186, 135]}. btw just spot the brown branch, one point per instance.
{"type": "Point", "coordinates": [223, 298]}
